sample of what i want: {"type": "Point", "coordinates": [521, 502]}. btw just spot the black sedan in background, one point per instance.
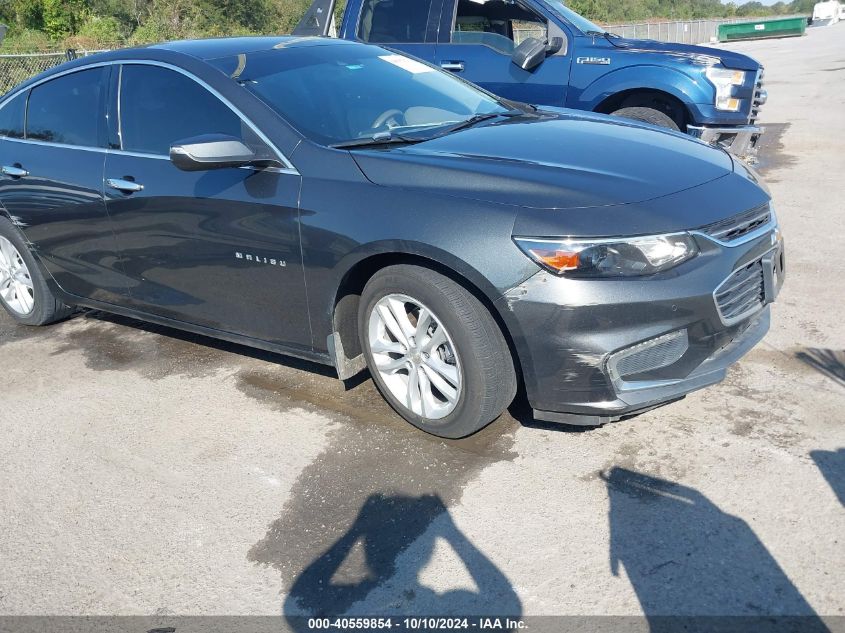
{"type": "Point", "coordinates": [345, 204]}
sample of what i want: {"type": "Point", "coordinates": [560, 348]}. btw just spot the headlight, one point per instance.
{"type": "Point", "coordinates": [724, 79]}
{"type": "Point", "coordinates": [615, 257]}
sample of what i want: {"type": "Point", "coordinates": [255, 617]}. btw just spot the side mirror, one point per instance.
{"type": "Point", "coordinates": [212, 151]}
{"type": "Point", "coordinates": [529, 54]}
{"type": "Point", "coordinates": [554, 45]}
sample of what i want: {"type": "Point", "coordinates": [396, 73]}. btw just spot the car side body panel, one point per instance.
{"type": "Point", "coordinates": [347, 222]}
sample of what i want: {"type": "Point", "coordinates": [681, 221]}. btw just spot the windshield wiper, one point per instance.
{"type": "Point", "coordinates": [480, 118]}
{"type": "Point", "coordinates": [385, 138]}
{"type": "Point", "coordinates": [525, 108]}
{"type": "Point", "coordinates": [604, 34]}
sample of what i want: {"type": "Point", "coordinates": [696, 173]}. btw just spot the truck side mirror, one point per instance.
{"type": "Point", "coordinates": [529, 54]}
{"type": "Point", "coordinates": [554, 45]}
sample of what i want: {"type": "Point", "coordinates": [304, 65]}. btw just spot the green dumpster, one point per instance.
{"type": "Point", "coordinates": [775, 27]}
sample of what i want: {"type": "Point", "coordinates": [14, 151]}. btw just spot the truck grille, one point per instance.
{"type": "Point", "coordinates": [739, 225]}
{"type": "Point", "coordinates": [741, 294]}
{"type": "Point", "coordinates": [755, 101]}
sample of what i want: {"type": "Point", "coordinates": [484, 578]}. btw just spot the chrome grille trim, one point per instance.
{"type": "Point", "coordinates": [755, 100]}
{"type": "Point", "coordinates": [745, 225]}
{"type": "Point", "coordinates": [741, 294]}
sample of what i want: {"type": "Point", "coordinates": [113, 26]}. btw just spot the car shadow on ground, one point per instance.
{"type": "Point", "coordinates": [832, 466]}
{"type": "Point", "coordinates": [829, 362]}
{"type": "Point", "coordinates": [175, 342]}
{"type": "Point", "coordinates": [221, 345]}
{"type": "Point", "coordinates": [694, 566]}
{"type": "Point", "coordinates": [368, 554]}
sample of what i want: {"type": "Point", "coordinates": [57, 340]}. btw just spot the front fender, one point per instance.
{"type": "Point", "coordinates": [497, 298]}
{"type": "Point", "coordinates": [686, 89]}
{"type": "Point", "coordinates": [438, 256]}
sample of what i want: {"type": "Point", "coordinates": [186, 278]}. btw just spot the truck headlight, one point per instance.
{"type": "Point", "coordinates": [724, 79]}
{"type": "Point", "coordinates": [613, 257]}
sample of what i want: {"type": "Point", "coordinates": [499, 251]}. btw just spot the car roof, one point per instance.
{"type": "Point", "coordinates": [214, 48]}
{"type": "Point", "coordinates": [182, 51]}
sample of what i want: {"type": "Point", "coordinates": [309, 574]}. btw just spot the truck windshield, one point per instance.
{"type": "Point", "coordinates": [578, 21]}
{"type": "Point", "coordinates": [340, 93]}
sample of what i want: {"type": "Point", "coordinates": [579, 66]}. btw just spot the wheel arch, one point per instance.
{"type": "Point", "coordinates": [346, 300]}
{"type": "Point", "coordinates": [639, 97]}
{"type": "Point", "coordinates": [646, 77]}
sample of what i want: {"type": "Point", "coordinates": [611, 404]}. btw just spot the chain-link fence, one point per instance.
{"type": "Point", "coordinates": [15, 68]}
{"type": "Point", "coordinates": [682, 31]}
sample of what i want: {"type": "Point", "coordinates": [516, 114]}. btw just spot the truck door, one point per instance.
{"type": "Point", "coordinates": [476, 41]}
{"type": "Point", "coordinates": [409, 26]}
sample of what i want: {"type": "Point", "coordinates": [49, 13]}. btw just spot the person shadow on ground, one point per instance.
{"type": "Point", "coordinates": [695, 567]}
{"type": "Point", "coordinates": [367, 556]}
{"type": "Point", "coordinates": [832, 466]}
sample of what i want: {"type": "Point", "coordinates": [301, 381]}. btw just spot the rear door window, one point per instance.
{"type": "Point", "coordinates": [12, 117]}
{"type": "Point", "coordinates": [159, 107]}
{"type": "Point", "coordinates": [68, 110]}
{"type": "Point", "coordinates": [394, 21]}
{"type": "Point", "coordinates": [500, 25]}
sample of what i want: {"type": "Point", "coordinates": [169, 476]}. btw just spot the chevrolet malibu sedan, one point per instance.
{"type": "Point", "coordinates": [348, 205]}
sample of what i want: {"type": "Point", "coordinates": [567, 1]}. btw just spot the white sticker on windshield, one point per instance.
{"type": "Point", "coordinates": [411, 65]}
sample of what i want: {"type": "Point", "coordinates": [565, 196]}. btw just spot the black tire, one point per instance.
{"type": "Point", "coordinates": [46, 308]}
{"type": "Point", "coordinates": [648, 115]}
{"type": "Point", "coordinates": [489, 380]}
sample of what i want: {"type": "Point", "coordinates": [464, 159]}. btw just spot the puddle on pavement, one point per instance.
{"type": "Point", "coordinates": [114, 343]}
{"type": "Point", "coordinates": [771, 154]}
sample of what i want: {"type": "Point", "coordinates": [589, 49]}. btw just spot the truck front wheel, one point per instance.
{"type": "Point", "coordinates": [648, 115]}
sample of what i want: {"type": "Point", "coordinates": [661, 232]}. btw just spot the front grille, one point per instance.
{"type": "Point", "coordinates": [739, 225]}
{"type": "Point", "coordinates": [755, 101]}
{"type": "Point", "coordinates": [741, 294]}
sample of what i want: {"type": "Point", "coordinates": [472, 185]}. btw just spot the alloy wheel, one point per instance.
{"type": "Point", "coordinates": [415, 356]}
{"type": "Point", "coordinates": [16, 287]}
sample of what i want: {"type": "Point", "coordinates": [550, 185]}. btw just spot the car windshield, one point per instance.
{"type": "Point", "coordinates": [579, 21]}
{"type": "Point", "coordinates": [338, 94]}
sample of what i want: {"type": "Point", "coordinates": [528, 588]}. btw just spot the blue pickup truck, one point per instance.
{"type": "Point", "coordinates": [542, 52]}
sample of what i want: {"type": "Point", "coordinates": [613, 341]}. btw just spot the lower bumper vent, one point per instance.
{"type": "Point", "coordinates": [648, 356]}
{"type": "Point", "coordinates": [741, 294]}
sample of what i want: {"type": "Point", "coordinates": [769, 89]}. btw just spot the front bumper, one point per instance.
{"type": "Point", "coordinates": [571, 332]}
{"type": "Point", "coordinates": [739, 140]}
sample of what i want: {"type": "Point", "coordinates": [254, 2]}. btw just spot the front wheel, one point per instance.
{"type": "Point", "coordinates": [648, 115]}
{"type": "Point", "coordinates": [434, 351]}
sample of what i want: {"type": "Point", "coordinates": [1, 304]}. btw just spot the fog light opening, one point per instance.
{"type": "Point", "coordinates": [655, 353]}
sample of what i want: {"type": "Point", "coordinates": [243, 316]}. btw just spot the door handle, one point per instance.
{"type": "Point", "coordinates": [14, 171]}
{"type": "Point", "coordinates": [454, 66]}
{"type": "Point", "coordinates": [126, 186]}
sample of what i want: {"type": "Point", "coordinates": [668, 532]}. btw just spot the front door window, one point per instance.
{"type": "Point", "coordinates": [502, 25]}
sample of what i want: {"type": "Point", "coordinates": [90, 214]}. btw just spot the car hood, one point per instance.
{"type": "Point", "coordinates": [562, 161]}
{"type": "Point", "coordinates": [729, 59]}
